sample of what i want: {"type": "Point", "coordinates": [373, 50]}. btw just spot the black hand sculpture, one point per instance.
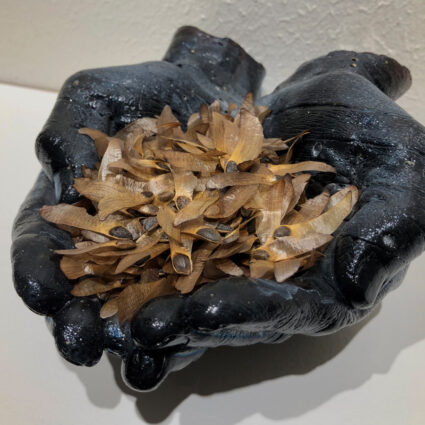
{"type": "Point", "coordinates": [344, 99]}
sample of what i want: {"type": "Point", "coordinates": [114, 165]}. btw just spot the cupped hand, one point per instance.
{"type": "Point", "coordinates": [346, 102]}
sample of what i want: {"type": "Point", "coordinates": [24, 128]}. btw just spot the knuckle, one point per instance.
{"type": "Point", "coordinates": [80, 80]}
{"type": "Point", "coordinates": [143, 371]}
{"type": "Point", "coordinates": [48, 146]}
{"type": "Point", "coordinates": [78, 331]}
{"type": "Point", "coordinates": [36, 274]}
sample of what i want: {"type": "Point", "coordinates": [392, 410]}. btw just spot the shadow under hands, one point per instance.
{"type": "Point", "coordinates": [227, 368]}
{"type": "Point", "coordinates": [100, 388]}
{"type": "Point", "coordinates": [309, 378]}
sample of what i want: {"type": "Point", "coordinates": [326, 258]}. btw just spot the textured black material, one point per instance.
{"type": "Point", "coordinates": [118, 338]}
{"type": "Point", "coordinates": [142, 371]}
{"type": "Point", "coordinates": [345, 100]}
{"type": "Point", "coordinates": [78, 331]}
{"type": "Point", "coordinates": [37, 276]}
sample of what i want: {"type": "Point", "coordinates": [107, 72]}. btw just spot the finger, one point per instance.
{"type": "Point", "coordinates": [352, 124]}
{"type": "Point", "coordinates": [379, 150]}
{"type": "Point", "coordinates": [165, 322]}
{"type": "Point", "coordinates": [341, 66]}
{"type": "Point", "coordinates": [36, 273]}
{"type": "Point", "coordinates": [141, 370]}
{"type": "Point", "coordinates": [145, 370]}
{"type": "Point", "coordinates": [367, 258]}
{"type": "Point", "coordinates": [353, 140]}
{"type": "Point", "coordinates": [78, 331]}
{"type": "Point", "coordinates": [224, 64]}
{"type": "Point", "coordinates": [240, 311]}
{"type": "Point", "coordinates": [247, 311]}
{"type": "Point", "coordinates": [382, 238]}
{"type": "Point", "coordinates": [347, 115]}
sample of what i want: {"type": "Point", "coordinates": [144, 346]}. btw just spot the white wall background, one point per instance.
{"type": "Point", "coordinates": [44, 41]}
{"type": "Point", "coordinates": [371, 373]}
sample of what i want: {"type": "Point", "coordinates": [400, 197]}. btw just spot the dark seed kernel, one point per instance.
{"type": "Point", "coordinates": [281, 232]}
{"type": "Point", "coordinates": [120, 232]}
{"type": "Point", "coordinates": [181, 264]}
{"type": "Point", "coordinates": [166, 196]}
{"type": "Point", "coordinates": [182, 201]}
{"type": "Point", "coordinates": [251, 227]}
{"type": "Point", "coordinates": [231, 167]}
{"type": "Point", "coordinates": [149, 223]}
{"type": "Point", "coordinates": [209, 234]}
{"type": "Point", "coordinates": [221, 227]}
{"type": "Point", "coordinates": [163, 166]}
{"type": "Point", "coordinates": [134, 212]}
{"type": "Point", "coordinates": [245, 213]}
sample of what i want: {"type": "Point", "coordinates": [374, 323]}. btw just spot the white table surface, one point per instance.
{"type": "Point", "coordinates": [372, 373]}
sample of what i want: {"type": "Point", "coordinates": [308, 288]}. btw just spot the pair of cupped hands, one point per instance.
{"type": "Point", "coordinates": [346, 102]}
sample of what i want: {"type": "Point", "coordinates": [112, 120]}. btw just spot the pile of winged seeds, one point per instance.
{"type": "Point", "coordinates": [167, 210]}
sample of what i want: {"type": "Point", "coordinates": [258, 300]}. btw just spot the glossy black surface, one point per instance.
{"type": "Point", "coordinates": [118, 338]}
{"type": "Point", "coordinates": [36, 273]}
{"type": "Point", "coordinates": [142, 371]}
{"type": "Point", "coordinates": [346, 101]}
{"type": "Point", "coordinates": [78, 331]}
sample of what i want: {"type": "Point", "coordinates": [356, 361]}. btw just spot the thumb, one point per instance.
{"type": "Point", "coordinates": [387, 74]}
{"type": "Point", "coordinates": [382, 237]}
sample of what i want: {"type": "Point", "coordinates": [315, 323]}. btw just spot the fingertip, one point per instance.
{"type": "Point", "coordinates": [386, 73]}
{"type": "Point", "coordinates": [360, 270]}
{"type": "Point", "coordinates": [232, 300]}
{"type": "Point", "coordinates": [178, 320]}
{"type": "Point", "coordinates": [225, 63]}
{"type": "Point", "coordinates": [78, 331]}
{"type": "Point", "coordinates": [382, 237]}
{"type": "Point", "coordinates": [62, 151]}
{"type": "Point", "coordinates": [144, 371]}
{"type": "Point", "coordinates": [37, 277]}
{"type": "Point", "coordinates": [160, 323]}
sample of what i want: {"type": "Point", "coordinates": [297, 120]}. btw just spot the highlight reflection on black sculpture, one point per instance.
{"type": "Point", "coordinates": [345, 100]}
